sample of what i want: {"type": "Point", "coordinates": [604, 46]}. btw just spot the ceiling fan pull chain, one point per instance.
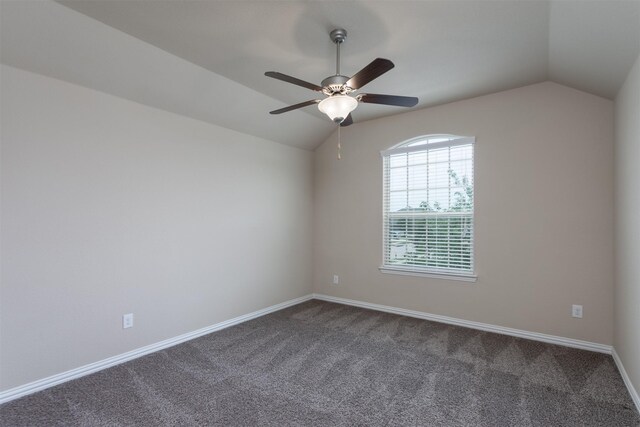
{"type": "Point", "coordinates": [339, 146]}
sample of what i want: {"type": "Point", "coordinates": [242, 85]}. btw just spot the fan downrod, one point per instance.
{"type": "Point", "coordinates": [336, 83]}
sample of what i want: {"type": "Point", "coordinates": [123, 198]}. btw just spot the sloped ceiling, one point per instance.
{"type": "Point", "coordinates": [206, 59]}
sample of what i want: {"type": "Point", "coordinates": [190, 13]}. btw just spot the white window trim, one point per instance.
{"type": "Point", "coordinates": [461, 277]}
{"type": "Point", "coordinates": [404, 147]}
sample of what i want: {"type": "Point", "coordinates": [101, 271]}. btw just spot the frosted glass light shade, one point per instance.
{"type": "Point", "coordinates": [338, 107]}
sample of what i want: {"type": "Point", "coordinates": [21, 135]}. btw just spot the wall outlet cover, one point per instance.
{"type": "Point", "coordinates": [576, 311]}
{"type": "Point", "coordinates": [127, 321]}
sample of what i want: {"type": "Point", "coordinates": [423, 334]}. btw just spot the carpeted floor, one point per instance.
{"type": "Point", "coordinates": [320, 363]}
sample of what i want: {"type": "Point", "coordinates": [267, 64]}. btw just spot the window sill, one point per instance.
{"type": "Point", "coordinates": [445, 276]}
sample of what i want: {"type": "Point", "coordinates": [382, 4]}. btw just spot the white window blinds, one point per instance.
{"type": "Point", "coordinates": [428, 206]}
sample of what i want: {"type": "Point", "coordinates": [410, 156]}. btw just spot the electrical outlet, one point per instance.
{"type": "Point", "coordinates": [336, 279]}
{"type": "Point", "coordinates": [127, 321]}
{"type": "Point", "coordinates": [576, 311]}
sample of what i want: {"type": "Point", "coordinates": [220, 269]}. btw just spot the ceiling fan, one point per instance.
{"type": "Point", "coordinates": [340, 98]}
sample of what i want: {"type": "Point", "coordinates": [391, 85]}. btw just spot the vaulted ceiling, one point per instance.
{"type": "Point", "coordinates": [206, 59]}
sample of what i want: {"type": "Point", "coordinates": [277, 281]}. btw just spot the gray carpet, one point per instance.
{"type": "Point", "coordinates": [320, 363]}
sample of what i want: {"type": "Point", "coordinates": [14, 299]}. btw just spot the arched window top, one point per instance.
{"type": "Point", "coordinates": [428, 142]}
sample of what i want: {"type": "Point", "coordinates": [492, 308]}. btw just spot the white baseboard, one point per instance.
{"type": "Point", "coordinates": [551, 339]}
{"type": "Point", "coordinates": [53, 380]}
{"type": "Point", "coordinates": [627, 381]}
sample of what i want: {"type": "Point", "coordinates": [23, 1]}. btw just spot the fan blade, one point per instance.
{"type": "Point", "coordinates": [375, 69]}
{"type": "Point", "coordinates": [348, 121]}
{"type": "Point", "coordinates": [292, 80]}
{"type": "Point", "coordinates": [399, 101]}
{"type": "Point", "coordinates": [295, 107]}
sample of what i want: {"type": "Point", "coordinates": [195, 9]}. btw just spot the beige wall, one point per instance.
{"type": "Point", "coordinates": [111, 207]}
{"type": "Point", "coordinates": [544, 212]}
{"type": "Point", "coordinates": [627, 236]}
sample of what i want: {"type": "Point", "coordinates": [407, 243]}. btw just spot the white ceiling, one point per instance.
{"type": "Point", "coordinates": [443, 51]}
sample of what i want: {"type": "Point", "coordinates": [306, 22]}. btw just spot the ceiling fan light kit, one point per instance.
{"type": "Point", "coordinates": [338, 107]}
{"type": "Point", "coordinates": [339, 89]}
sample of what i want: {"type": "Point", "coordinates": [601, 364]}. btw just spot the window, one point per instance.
{"type": "Point", "coordinates": [428, 207]}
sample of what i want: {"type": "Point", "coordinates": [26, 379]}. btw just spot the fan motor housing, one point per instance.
{"type": "Point", "coordinates": [336, 84]}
